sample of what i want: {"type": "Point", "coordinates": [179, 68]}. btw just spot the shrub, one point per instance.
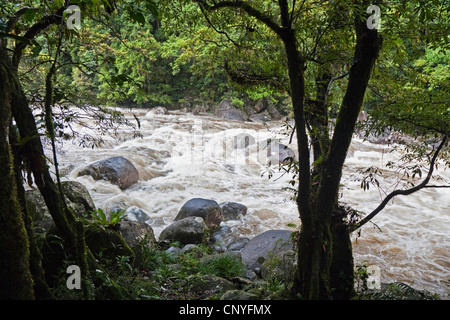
{"type": "Point", "coordinates": [226, 266]}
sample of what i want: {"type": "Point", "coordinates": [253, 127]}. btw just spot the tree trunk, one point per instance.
{"type": "Point", "coordinates": [15, 277]}
{"type": "Point", "coordinates": [341, 268]}
{"type": "Point", "coordinates": [71, 231]}
{"type": "Point", "coordinates": [323, 241]}
{"type": "Point", "coordinates": [318, 264]}
{"type": "Point", "coordinates": [314, 256]}
{"type": "Point", "coordinates": [41, 289]}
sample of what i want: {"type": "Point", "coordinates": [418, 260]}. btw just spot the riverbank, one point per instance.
{"type": "Point", "coordinates": [218, 265]}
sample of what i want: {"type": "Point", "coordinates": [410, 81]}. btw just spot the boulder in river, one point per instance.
{"type": "Point", "coordinates": [207, 209]}
{"type": "Point", "coordinates": [226, 110]}
{"type": "Point", "coordinates": [281, 154]}
{"type": "Point", "coordinates": [260, 117]}
{"type": "Point", "coordinates": [232, 210]}
{"type": "Point", "coordinates": [117, 170]}
{"type": "Point", "coordinates": [135, 232]}
{"type": "Point", "coordinates": [134, 213]}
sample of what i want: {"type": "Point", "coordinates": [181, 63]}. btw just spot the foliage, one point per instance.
{"type": "Point", "coordinates": [100, 218]}
{"type": "Point", "coordinates": [361, 276]}
{"type": "Point", "coordinates": [226, 266]}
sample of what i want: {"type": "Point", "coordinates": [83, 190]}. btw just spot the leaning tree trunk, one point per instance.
{"type": "Point", "coordinates": [314, 243]}
{"type": "Point", "coordinates": [15, 277]}
{"type": "Point", "coordinates": [71, 231]}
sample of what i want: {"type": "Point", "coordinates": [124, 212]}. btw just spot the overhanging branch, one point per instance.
{"type": "Point", "coordinates": [33, 32]}
{"type": "Point", "coordinates": [249, 9]}
{"type": "Point", "coordinates": [423, 184]}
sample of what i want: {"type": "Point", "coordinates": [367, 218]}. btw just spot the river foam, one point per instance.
{"type": "Point", "coordinates": [181, 156]}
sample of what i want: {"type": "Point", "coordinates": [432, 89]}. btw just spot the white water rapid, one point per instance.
{"type": "Point", "coordinates": [182, 156]}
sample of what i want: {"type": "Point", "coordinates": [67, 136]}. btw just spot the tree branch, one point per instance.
{"type": "Point", "coordinates": [33, 32]}
{"type": "Point", "coordinates": [244, 77]}
{"type": "Point", "coordinates": [395, 193]}
{"type": "Point", "coordinates": [216, 30]}
{"type": "Point", "coordinates": [13, 20]}
{"type": "Point", "coordinates": [247, 8]}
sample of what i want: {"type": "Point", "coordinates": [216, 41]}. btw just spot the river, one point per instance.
{"type": "Point", "coordinates": [182, 156]}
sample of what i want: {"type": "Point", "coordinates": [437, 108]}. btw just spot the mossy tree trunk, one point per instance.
{"type": "Point", "coordinates": [71, 230]}
{"type": "Point", "coordinates": [320, 239]}
{"type": "Point", "coordinates": [15, 278]}
{"type": "Point", "coordinates": [41, 288]}
{"type": "Point", "coordinates": [32, 153]}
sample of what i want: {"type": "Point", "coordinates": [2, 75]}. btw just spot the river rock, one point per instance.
{"type": "Point", "coordinates": [260, 117]}
{"type": "Point", "coordinates": [77, 197]}
{"type": "Point", "coordinates": [160, 110]}
{"type": "Point", "coordinates": [232, 210]}
{"type": "Point", "coordinates": [238, 244]}
{"type": "Point", "coordinates": [117, 170]}
{"type": "Point", "coordinates": [226, 110]}
{"type": "Point", "coordinates": [187, 230]}
{"type": "Point", "coordinates": [200, 108]}
{"type": "Point", "coordinates": [270, 242]}
{"type": "Point", "coordinates": [281, 154]}
{"type": "Point", "coordinates": [209, 210]}
{"type": "Point", "coordinates": [134, 213]}
{"type": "Point", "coordinates": [135, 232]}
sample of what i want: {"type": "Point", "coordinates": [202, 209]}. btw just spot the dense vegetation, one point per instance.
{"type": "Point", "coordinates": [317, 60]}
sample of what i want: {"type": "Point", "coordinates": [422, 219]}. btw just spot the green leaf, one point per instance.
{"type": "Point", "coordinates": [102, 215]}
{"type": "Point", "coordinates": [136, 15]}
{"type": "Point", "coordinates": [36, 51]}
{"type": "Point", "coordinates": [30, 14]}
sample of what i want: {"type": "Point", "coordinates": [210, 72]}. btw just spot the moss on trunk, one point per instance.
{"type": "Point", "coordinates": [15, 277]}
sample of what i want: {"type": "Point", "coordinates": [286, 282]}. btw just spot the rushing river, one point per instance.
{"type": "Point", "coordinates": [181, 156]}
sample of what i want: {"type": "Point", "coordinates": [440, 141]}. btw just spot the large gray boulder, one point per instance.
{"type": "Point", "coordinates": [260, 117]}
{"type": "Point", "coordinates": [226, 110]}
{"type": "Point", "coordinates": [264, 245]}
{"type": "Point", "coordinates": [134, 213]}
{"type": "Point", "coordinates": [207, 209]}
{"type": "Point", "coordinates": [186, 231]}
{"type": "Point", "coordinates": [117, 170]}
